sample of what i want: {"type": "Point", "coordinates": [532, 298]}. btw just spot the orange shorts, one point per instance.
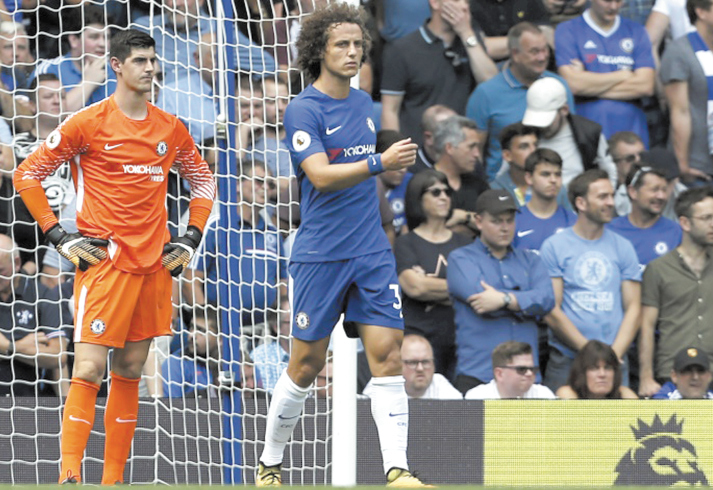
{"type": "Point", "coordinates": [113, 307]}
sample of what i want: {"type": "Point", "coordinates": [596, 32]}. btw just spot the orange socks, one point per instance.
{"type": "Point", "coordinates": [77, 423]}
{"type": "Point", "coordinates": [122, 409]}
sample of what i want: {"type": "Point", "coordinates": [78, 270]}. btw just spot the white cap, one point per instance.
{"type": "Point", "coordinates": [544, 98]}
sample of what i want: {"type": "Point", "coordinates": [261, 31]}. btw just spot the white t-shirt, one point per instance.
{"type": "Point", "coordinates": [440, 389]}
{"type": "Point", "coordinates": [490, 392]}
{"type": "Point", "coordinates": [675, 10]}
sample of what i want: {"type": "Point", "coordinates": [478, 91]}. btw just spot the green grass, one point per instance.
{"type": "Point", "coordinates": [448, 487]}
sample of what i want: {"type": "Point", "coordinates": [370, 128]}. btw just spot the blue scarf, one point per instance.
{"type": "Point", "coordinates": [705, 58]}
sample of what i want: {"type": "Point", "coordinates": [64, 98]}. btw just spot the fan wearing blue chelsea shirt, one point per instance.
{"type": "Point", "coordinates": [608, 64]}
{"type": "Point", "coordinates": [341, 261]}
{"type": "Point", "coordinates": [649, 232]}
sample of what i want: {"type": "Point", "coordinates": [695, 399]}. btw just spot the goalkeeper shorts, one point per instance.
{"type": "Point", "coordinates": [113, 307]}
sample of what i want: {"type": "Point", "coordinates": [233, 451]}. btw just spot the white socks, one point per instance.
{"type": "Point", "coordinates": [389, 407]}
{"type": "Point", "coordinates": [285, 409]}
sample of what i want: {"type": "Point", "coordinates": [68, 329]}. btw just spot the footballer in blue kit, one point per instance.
{"type": "Point", "coordinates": [341, 260]}
{"type": "Point", "coordinates": [614, 67]}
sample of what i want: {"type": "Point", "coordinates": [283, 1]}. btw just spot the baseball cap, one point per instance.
{"type": "Point", "coordinates": [495, 201]}
{"type": "Point", "coordinates": [544, 99]}
{"type": "Point", "coordinates": [664, 160]}
{"type": "Point", "coordinates": [690, 356]}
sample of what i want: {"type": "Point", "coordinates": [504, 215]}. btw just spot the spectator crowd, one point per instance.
{"type": "Point", "coordinates": [552, 240]}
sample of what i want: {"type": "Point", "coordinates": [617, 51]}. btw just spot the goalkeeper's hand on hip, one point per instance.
{"type": "Point", "coordinates": [178, 252]}
{"type": "Point", "coordinates": [81, 250]}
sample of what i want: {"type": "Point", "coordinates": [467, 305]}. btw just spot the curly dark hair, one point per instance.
{"type": "Point", "coordinates": [315, 34]}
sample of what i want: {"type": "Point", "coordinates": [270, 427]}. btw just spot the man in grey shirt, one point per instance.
{"type": "Point", "coordinates": [687, 95]}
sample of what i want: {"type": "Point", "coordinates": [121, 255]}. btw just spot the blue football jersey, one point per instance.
{"type": "Point", "coordinates": [396, 198]}
{"type": "Point", "coordinates": [531, 231]}
{"type": "Point", "coordinates": [341, 224]}
{"type": "Point", "coordinates": [626, 46]}
{"type": "Point", "coordinates": [649, 243]}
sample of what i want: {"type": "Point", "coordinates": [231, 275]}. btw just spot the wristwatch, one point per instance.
{"type": "Point", "coordinates": [471, 42]}
{"type": "Point", "coordinates": [506, 299]}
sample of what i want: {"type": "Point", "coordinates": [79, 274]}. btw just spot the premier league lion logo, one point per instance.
{"type": "Point", "coordinates": [661, 457]}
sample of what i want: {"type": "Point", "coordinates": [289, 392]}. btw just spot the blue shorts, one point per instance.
{"type": "Point", "coordinates": [364, 288]}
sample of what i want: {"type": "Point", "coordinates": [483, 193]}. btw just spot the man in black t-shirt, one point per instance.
{"type": "Point", "coordinates": [32, 343]}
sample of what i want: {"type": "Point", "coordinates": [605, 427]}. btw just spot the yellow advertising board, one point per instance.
{"type": "Point", "coordinates": [598, 442]}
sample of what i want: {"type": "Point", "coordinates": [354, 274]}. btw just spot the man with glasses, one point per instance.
{"type": "Point", "coordinates": [498, 292]}
{"type": "Point", "coordinates": [514, 373]}
{"type": "Point", "coordinates": [419, 370]}
{"type": "Point", "coordinates": [690, 377]}
{"type": "Point", "coordinates": [677, 297]}
{"type": "Point", "coordinates": [625, 148]}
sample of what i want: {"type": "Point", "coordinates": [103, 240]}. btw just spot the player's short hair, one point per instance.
{"type": "Point", "coordinates": [540, 156]}
{"type": "Point", "coordinates": [579, 187]}
{"type": "Point", "coordinates": [589, 357]}
{"type": "Point", "coordinates": [451, 131]}
{"type": "Point", "coordinates": [414, 193]}
{"type": "Point", "coordinates": [516, 32]}
{"type": "Point", "coordinates": [628, 137]}
{"type": "Point", "coordinates": [689, 197]}
{"type": "Point", "coordinates": [504, 353]}
{"type": "Point", "coordinates": [123, 42]}
{"type": "Point", "coordinates": [637, 173]}
{"type": "Point", "coordinates": [315, 34]}
{"type": "Point", "coordinates": [513, 131]}
{"type": "Point", "coordinates": [34, 87]}
{"type": "Point", "coordinates": [692, 5]}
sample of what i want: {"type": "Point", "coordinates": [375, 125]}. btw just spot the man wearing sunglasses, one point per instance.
{"type": "Point", "coordinates": [498, 292]}
{"type": "Point", "coordinates": [514, 373]}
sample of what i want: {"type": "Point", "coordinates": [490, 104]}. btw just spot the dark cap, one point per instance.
{"type": "Point", "coordinates": [690, 356]}
{"type": "Point", "coordinates": [664, 160]}
{"type": "Point", "coordinates": [495, 201]}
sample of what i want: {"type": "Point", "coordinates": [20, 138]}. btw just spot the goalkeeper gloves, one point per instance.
{"type": "Point", "coordinates": [178, 252]}
{"type": "Point", "coordinates": [81, 250]}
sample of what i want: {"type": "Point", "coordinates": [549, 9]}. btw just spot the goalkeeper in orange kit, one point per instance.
{"type": "Point", "coordinates": [120, 152]}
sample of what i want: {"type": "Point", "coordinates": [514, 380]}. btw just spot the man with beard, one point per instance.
{"type": "Point", "coordinates": [595, 275]}
{"type": "Point", "coordinates": [677, 298]}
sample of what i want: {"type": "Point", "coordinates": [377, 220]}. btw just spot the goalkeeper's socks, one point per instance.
{"type": "Point", "coordinates": [77, 423]}
{"type": "Point", "coordinates": [122, 409]}
{"type": "Point", "coordinates": [285, 409]}
{"type": "Point", "coordinates": [389, 407]}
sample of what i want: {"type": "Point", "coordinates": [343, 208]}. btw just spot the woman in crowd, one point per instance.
{"type": "Point", "coordinates": [421, 261]}
{"type": "Point", "coordinates": [595, 374]}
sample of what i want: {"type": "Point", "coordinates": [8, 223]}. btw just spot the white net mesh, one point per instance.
{"type": "Point", "coordinates": [205, 392]}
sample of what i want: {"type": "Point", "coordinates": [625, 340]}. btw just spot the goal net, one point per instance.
{"type": "Point", "coordinates": [226, 68]}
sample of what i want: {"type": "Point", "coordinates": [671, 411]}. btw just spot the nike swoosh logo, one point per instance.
{"type": "Point", "coordinates": [521, 234]}
{"type": "Point", "coordinates": [333, 130]}
{"type": "Point", "coordinates": [77, 419]}
{"type": "Point", "coordinates": [125, 421]}
{"type": "Point", "coordinates": [397, 414]}
{"type": "Point", "coordinates": [502, 198]}
{"type": "Point", "coordinates": [287, 418]}
{"type": "Point", "coordinates": [109, 147]}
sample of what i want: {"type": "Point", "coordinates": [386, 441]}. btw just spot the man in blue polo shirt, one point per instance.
{"type": "Point", "coordinates": [502, 100]}
{"type": "Point", "coordinates": [84, 72]}
{"type": "Point", "coordinates": [257, 267]}
{"type": "Point", "coordinates": [608, 64]}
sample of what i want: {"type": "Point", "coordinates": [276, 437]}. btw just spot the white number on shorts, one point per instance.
{"type": "Point", "coordinates": [397, 293]}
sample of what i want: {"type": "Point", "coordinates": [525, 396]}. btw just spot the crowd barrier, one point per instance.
{"type": "Point", "coordinates": [494, 443]}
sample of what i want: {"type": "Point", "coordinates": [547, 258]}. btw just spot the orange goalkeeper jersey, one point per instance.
{"type": "Point", "coordinates": [120, 169]}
